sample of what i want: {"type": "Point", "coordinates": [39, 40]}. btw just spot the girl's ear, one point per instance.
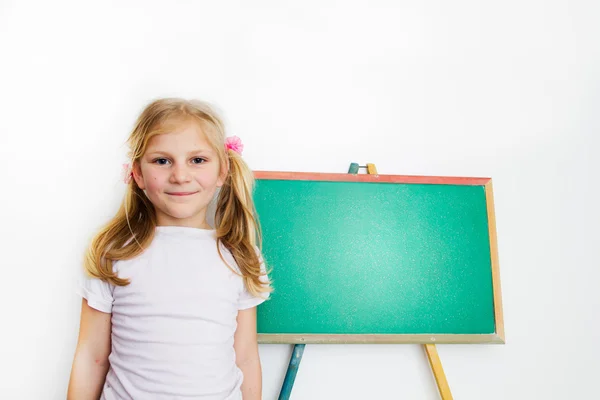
{"type": "Point", "coordinates": [137, 175]}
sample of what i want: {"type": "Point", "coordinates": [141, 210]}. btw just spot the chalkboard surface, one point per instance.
{"type": "Point", "coordinates": [378, 259]}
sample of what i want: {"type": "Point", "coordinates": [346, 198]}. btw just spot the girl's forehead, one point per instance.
{"type": "Point", "coordinates": [182, 137]}
{"type": "Point", "coordinates": [176, 125]}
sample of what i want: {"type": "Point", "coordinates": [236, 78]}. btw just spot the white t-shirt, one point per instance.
{"type": "Point", "coordinates": [173, 325]}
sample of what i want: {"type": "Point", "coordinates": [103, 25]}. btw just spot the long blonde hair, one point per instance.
{"type": "Point", "coordinates": [132, 229]}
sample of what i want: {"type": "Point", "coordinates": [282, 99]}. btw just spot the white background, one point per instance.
{"type": "Point", "coordinates": [508, 90]}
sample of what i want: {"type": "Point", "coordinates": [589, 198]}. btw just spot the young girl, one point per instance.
{"type": "Point", "coordinates": [169, 303]}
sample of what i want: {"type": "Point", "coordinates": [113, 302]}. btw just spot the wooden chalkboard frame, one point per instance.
{"type": "Point", "coordinates": [498, 337]}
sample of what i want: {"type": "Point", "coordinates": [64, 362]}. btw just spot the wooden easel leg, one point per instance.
{"type": "Point", "coordinates": [290, 375]}
{"type": "Point", "coordinates": [438, 371]}
{"type": "Point", "coordinates": [371, 169]}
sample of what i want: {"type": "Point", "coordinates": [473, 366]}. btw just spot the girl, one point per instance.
{"type": "Point", "coordinates": [169, 303]}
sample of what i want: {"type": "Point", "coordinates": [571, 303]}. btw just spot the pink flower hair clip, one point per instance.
{"type": "Point", "coordinates": [127, 173]}
{"type": "Point", "coordinates": [234, 143]}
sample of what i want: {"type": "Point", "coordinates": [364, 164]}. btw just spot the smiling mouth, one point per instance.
{"type": "Point", "coordinates": [181, 193]}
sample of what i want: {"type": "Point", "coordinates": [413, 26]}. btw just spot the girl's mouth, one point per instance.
{"type": "Point", "coordinates": [181, 193]}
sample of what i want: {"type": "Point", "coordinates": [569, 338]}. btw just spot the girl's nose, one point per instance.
{"type": "Point", "coordinates": [180, 174]}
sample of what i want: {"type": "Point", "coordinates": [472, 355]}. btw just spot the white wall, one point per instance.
{"type": "Point", "coordinates": [508, 90]}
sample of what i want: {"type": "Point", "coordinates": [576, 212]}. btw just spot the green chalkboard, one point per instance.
{"type": "Point", "coordinates": [359, 258]}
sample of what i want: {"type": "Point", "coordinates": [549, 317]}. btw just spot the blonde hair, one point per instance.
{"type": "Point", "coordinates": [132, 229]}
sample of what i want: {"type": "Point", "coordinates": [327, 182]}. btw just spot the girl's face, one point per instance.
{"type": "Point", "coordinates": [180, 173]}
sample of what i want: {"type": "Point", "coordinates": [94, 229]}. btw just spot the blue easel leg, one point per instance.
{"type": "Point", "coordinates": [290, 375]}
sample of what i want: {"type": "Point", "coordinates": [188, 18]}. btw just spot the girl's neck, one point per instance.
{"type": "Point", "coordinates": [204, 226]}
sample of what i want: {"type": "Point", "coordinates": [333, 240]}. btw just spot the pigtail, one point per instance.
{"type": "Point", "coordinates": [236, 225]}
{"type": "Point", "coordinates": [125, 236]}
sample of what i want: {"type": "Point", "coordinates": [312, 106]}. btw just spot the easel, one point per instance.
{"type": "Point", "coordinates": [430, 349]}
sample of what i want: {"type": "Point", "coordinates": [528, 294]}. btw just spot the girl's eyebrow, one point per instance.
{"type": "Point", "coordinates": [165, 153]}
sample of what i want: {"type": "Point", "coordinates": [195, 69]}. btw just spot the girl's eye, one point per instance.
{"type": "Point", "coordinates": [198, 160]}
{"type": "Point", "coordinates": [159, 161]}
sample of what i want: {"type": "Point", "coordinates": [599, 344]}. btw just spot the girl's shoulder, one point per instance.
{"type": "Point", "coordinates": [231, 260]}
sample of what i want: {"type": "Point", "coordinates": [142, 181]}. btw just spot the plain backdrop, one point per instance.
{"type": "Point", "coordinates": [508, 90]}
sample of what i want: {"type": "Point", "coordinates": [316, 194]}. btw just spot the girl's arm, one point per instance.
{"type": "Point", "coordinates": [246, 353]}
{"type": "Point", "coordinates": [90, 364]}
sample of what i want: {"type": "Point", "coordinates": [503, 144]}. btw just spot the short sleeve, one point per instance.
{"type": "Point", "coordinates": [99, 294]}
{"type": "Point", "coordinates": [246, 300]}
